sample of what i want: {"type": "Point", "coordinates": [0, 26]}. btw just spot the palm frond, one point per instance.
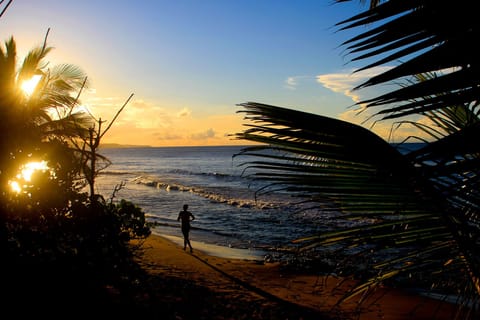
{"type": "Point", "coordinates": [416, 212]}
{"type": "Point", "coordinates": [32, 64]}
{"type": "Point", "coordinates": [8, 60]}
{"type": "Point", "coordinates": [416, 30]}
{"type": "Point", "coordinates": [72, 126]}
{"type": "Point", "coordinates": [412, 220]}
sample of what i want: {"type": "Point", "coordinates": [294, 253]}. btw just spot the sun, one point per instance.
{"type": "Point", "coordinates": [28, 86]}
{"type": "Point", "coordinates": [24, 177]}
{"type": "Point", "coordinates": [29, 168]}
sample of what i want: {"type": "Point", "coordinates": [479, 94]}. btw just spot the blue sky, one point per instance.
{"type": "Point", "coordinates": [189, 63]}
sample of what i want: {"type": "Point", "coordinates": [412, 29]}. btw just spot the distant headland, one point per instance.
{"type": "Point", "coordinates": [118, 145]}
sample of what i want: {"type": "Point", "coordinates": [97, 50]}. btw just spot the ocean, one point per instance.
{"type": "Point", "coordinates": [219, 194]}
{"type": "Point", "coordinates": [230, 220]}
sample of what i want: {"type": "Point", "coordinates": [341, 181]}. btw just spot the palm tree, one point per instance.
{"type": "Point", "coordinates": [419, 209]}
{"type": "Point", "coordinates": [36, 125]}
{"type": "Point", "coordinates": [50, 233]}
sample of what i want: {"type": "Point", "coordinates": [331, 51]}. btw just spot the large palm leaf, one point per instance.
{"type": "Point", "coordinates": [430, 36]}
{"type": "Point", "coordinates": [420, 210]}
{"type": "Point", "coordinates": [416, 31]}
{"type": "Point", "coordinates": [411, 221]}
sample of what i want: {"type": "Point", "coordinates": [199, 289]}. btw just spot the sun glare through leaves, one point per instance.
{"type": "Point", "coordinates": [24, 178]}
{"type": "Point", "coordinates": [28, 86]}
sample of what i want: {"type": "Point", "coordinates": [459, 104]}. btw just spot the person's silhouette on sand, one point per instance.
{"type": "Point", "coordinates": [186, 216]}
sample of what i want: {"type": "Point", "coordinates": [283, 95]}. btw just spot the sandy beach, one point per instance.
{"type": "Point", "coordinates": [227, 284]}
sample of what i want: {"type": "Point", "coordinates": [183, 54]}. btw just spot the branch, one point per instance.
{"type": "Point", "coordinates": [45, 40]}
{"type": "Point", "coordinates": [6, 6]}
{"type": "Point", "coordinates": [114, 118]}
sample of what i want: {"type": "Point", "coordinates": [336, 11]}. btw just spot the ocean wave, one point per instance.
{"type": "Point", "coordinates": [214, 174]}
{"type": "Point", "coordinates": [232, 196]}
{"type": "Point", "coordinates": [115, 172]}
{"type": "Point", "coordinates": [228, 210]}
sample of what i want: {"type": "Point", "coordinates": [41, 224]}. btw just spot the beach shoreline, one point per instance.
{"type": "Point", "coordinates": [218, 250]}
{"type": "Point", "coordinates": [257, 286]}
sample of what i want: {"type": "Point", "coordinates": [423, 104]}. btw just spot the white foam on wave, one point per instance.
{"type": "Point", "coordinates": [243, 199]}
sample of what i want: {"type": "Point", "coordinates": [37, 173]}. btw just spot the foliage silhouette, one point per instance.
{"type": "Point", "coordinates": [59, 244]}
{"type": "Point", "coordinates": [419, 208]}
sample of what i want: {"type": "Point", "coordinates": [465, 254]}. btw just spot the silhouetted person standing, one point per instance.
{"type": "Point", "coordinates": [186, 216]}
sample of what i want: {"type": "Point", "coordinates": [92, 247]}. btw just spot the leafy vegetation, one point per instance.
{"type": "Point", "coordinates": [58, 243]}
{"type": "Point", "coordinates": [416, 210]}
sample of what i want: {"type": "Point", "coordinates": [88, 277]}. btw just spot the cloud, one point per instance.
{"type": "Point", "coordinates": [137, 114]}
{"type": "Point", "coordinates": [345, 81]}
{"type": "Point", "coordinates": [144, 122]}
{"type": "Point", "coordinates": [185, 112]}
{"type": "Point", "coordinates": [146, 115]}
{"type": "Point", "coordinates": [166, 136]}
{"type": "Point", "coordinates": [388, 129]}
{"type": "Point", "coordinates": [292, 82]}
{"type": "Point", "coordinates": [203, 130]}
{"type": "Point", "coordinates": [207, 134]}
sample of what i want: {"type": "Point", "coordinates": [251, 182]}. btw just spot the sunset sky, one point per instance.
{"type": "Point", "coordinates": [190, 62]}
